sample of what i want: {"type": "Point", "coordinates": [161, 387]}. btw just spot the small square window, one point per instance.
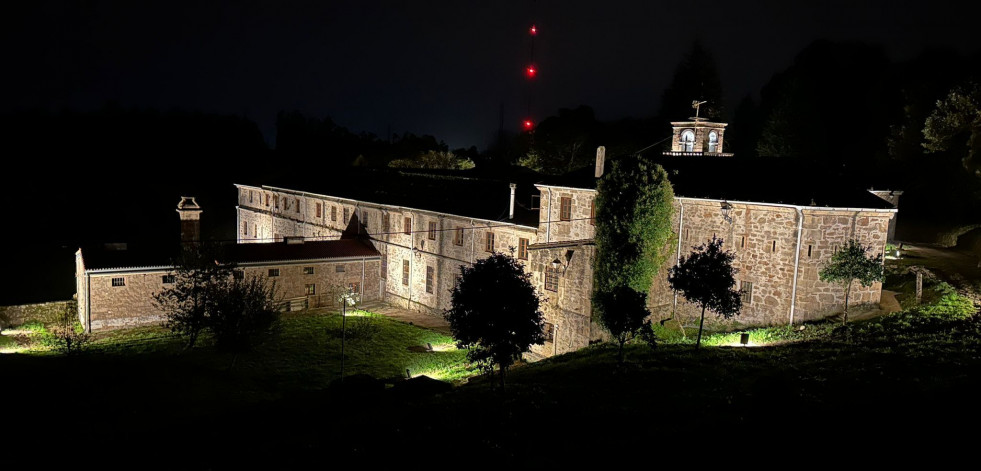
{"type": "Point", "coordinates": [549, 332]}
{"type": "Point", "coordinates": [565, 209]}
{"type": "Point", "coordinates": [169, 279]}
{"type": "Point", "coordinates": [746, 293]}
{"type": "Point", "coordinates": [121, 281]}
{"type": "Point", "coordinates": [354, 287]}
{"type": "Point", "coordinates": [308, 270]}
{"type": "Point", "coordinates": [339, 269]}
{"type": "Point", "coordinates": [274, 272]}
{"type": "Point", "coordinates": [551, 279]}
{"type": "Point", "coordinates": [310, 289]}
{"type": "Point", "coordinates": [523, 249]}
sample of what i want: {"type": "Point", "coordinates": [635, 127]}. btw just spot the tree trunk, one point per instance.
{"type": "Point", "coordinates": [701, 322]}
{"type": "Point", "coordinates": [501, 368]}
{"type": "Point", "coordinates": [848, 288]}
{"type": "Point", "coordinates": [620, 351]}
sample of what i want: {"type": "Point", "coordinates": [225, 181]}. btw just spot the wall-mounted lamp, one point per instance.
{"type": "Point", "coordinates": [726, 211]}
{"type": "Point", "coordinates": [556, 264]}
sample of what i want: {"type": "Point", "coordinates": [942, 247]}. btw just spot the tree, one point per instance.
{"type": "Point", "coordinates": [706, 277]}
{"type": "Point", "coordinates": [495, 311]}
{"type": "Point", "coordinates": [69, 335]}
{"type": "Point", "coordinates": [623, 312]}
{"type": "Point", "coordinates": [957, 116]}
{"type": "Point", "coordinates": [633, 225]}
{"type": "Point", "coordinates": [696, 77]}
{"type": "Point", "coordinates": [434, 159]}
{"type": "Point", "coordinates": [196, 280]}
{"type": "Point", "coordinates": [241, 313]}
{"type": "Point", "coordinates": [852, 262]}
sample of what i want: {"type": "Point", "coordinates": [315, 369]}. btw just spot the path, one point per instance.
{"type": "Point", "coordinates": [957, 267]}
{"type": "Point", "coordinates": [421, 319]}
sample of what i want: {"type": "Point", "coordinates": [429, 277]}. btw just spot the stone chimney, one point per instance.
{"type": "Point", "coordinates": [600, 160]}
{"type": "Point", "coordinates": [190, 214]}
{"type": "Point", "coordinates": [511, 212]}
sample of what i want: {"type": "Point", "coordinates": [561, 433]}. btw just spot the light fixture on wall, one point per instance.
{"type": "Point", "coordinates": [726, 211]}
{"type": "Point", "coordinates": [556, 264]}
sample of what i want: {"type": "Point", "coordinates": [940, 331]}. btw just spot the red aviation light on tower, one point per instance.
{"type": "Point", "coordinates": [533, 30]}
{"type": "Point", "coordinates": [527, 125]}
{"type": "Point", "coordinates": [531, 71]}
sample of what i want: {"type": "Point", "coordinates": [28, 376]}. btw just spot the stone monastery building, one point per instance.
{"type": "Point", "coordinates": [403, 236]}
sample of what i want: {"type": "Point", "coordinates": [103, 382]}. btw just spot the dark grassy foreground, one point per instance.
{"type": "Point", "coordinates": [903, 389]}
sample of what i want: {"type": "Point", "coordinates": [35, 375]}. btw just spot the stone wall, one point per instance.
{"type": "Point", "coordinates": [580, 226]}
{"type": "Point", "coordinates": [46, 313]}
{"type": "Point", "coordinates": [568, 308]}
{"type": "Point", "coordinates": [437, 241]}
{"type": "Point", "coordinates": [327, 280]}
{"type": "Point", "coordinates": [128, 305]}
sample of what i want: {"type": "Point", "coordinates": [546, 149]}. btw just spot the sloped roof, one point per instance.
{"type": "Point", "coordinates": [467, 193]}
{"type": "Point", "coordinates": [781, 181]}
{"type": "Point", "coordinates": [136, 256]}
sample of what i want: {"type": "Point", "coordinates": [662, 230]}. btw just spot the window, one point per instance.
{"type": "Point", "coordinates": [407, 226]}
{"type": "Point", "coordinates": [429, 279]}
{"type": "Point", "coordinates": [742, 243]}
{"type": "Point", "coordinates": [549, 332]}
{"type": "Point", "coordinates": [245, 228]}
{"type": "Point", "coordinates": [238, 274]}
{"type": "Point", "coordinates": [333, 213]}
{"type": "Point", "coordinates": [119, 281]}
{"type": "Point", "coordinates": [310, 289]}
{"type": "Point", "coordinates": [250, 195]}
{"type": "Point", "coordinates": [592, 212]}
{"type": "Point", "coordinates": [339, 269]}
{"type": "Point", "coordinates": [713, 142]}
{"type": "Point", "coordinates": [489, 242]}
{"type": "Point", "coordinates": [286, 203]}
{"type": "Point", "coordinates": [276, 201]}
{"type": "Point", "coordinates": [808, 251]}
{"type": "Point", "coordinates": [319, 208]}
{"type": "Point", "coordinates": [746, 293]}
{"type": "Point", "coordinates": [523, 249]}
{"type": "Point", "coordinates": [308, 270]}
{"type": "Point", "coordinates": [536, 201]}
{"type": "Point", "coordinates": [687, 234]}
{"type": "Point", "coordinates": [773, 248]}
{"type": "Point", "coordinates": [687, 140]}
{"type": "Point", "coordinates": [277, 237]}
{"type": "Point", "coordinates": [354, 287]}
{"type": "Point", "coordinates": [386, 222]}
{"type": "Point", "coordinates": [432, 230]}
{"type": "Point", "coordinates": [347, 213]}
{"type": "Point", "coordinates": [274, 272]}
{"type": "Point", "coordinates": [458, 237]}
{"type": "Point", "coordinates": [405, 272]}
{"type": "Point", "coordinates": [267, 200]}
{"type": "Point", "coordinates": [551, 279]}
{"type": "Point", "coordinates": [364, 220]}
{"type": "Point", "coordinates": [384, 269]}
{"type": "Point", "coordinates": [169, 279]}
{"type": "Point", "coordinates": [297, 205]}
{"type": "Point", "coordinates": [565, 208]}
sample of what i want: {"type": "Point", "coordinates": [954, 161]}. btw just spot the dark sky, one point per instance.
{"type": "Point", "coordinates": [436, 67]}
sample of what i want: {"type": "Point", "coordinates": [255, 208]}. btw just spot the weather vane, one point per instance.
{"type": "Point", "coordinates": [697, 104]}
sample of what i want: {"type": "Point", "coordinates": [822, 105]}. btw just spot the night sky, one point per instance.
{"type": "Point", "coordinates": [434, 67]}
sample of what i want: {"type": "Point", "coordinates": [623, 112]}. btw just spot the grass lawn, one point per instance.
{"type": "Point", "coordinates": [136, 372]}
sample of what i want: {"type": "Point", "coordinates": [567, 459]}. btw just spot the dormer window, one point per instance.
{"type": "Point", "coordinates": [687, 140]}
{"type": "Point", "coordinates": [713, 142]}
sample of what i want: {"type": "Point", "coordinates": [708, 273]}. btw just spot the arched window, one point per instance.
{"type": "Point", "coordinates": [687, 140]}
{"type": "Point", "coordinates": [713, 142]}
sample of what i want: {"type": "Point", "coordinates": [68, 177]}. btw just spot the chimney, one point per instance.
{"type": "Point", "coordinates": [511, 213]}
{"type": "Point", "coordinates": [600, 160]}
{"type": "Point", "coordinates": [190, 214]}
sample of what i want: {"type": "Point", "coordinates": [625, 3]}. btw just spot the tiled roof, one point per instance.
{"type": "Point", "coordinates": [156, 256]}
{"type": "Point", "coordinates": [467, 193]}
{"type": "Point", "coordinates": [777, 180]}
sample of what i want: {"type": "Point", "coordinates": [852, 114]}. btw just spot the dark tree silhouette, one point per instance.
{"type": "Point", "coordinates": [623, 311]}
{"type": "Point", "coordinates": [495, 311]}
{"type": "Point", "coordinates": [849, 264]}
{"type": "Point", "coordinates": [957, 117]}
{"type": "Point", "coordinates": [696, 78]}
{"type": "Point", "coordinates": [706, 277]}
